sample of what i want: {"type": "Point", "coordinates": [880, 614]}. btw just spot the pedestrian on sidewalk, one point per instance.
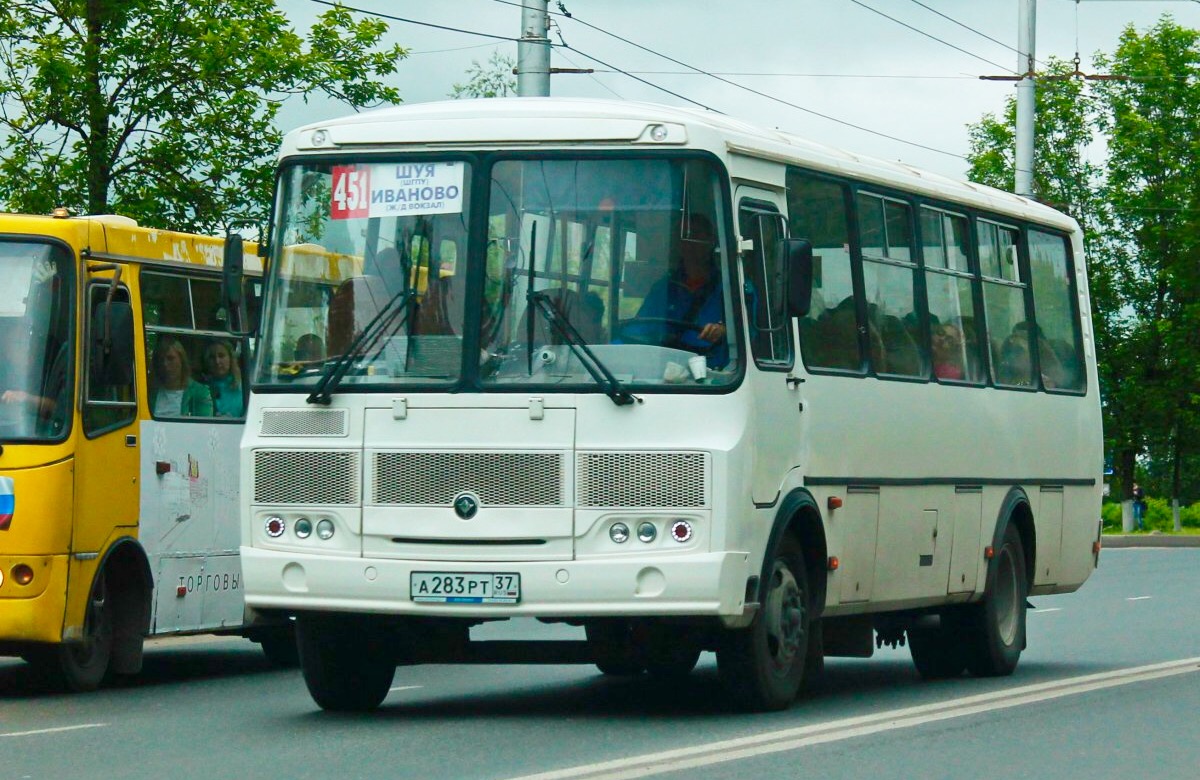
{"type": "Point", "coordinates": [1139, 506]}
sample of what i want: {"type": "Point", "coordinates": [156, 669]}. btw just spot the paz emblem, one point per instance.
{"type": "Point", "coordinates": [466, 505]}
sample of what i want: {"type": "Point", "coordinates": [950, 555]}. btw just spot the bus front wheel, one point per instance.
{"type": "Point", "coordinates": [347, 666]}
{"type": "Point", "coordinates": [763, 666]}
{"type": "Point", "coordinates": [82, 666]}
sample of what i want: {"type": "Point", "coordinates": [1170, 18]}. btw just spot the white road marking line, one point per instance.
{"type": "Point", "coordinates": [1138, 598]}
{"type": "Point", "coordinates": [404, 688]}
{"type": "Point", "coordinates": [1044, 610]}
{"type": "Point", "coordinates": [846, 728]}
{"type": "Point", "coordinates": [54, 730]}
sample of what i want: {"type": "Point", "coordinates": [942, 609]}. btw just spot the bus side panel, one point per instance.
{"type": "Point", "coordinates": [189, 523]}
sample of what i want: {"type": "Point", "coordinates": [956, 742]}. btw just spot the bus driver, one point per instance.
{"type": "Point", "coordinates": [689, 296]}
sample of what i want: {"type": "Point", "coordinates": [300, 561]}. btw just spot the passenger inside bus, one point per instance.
{"type": "Point", "coordinates": [173, 392]}
{"type": "Point", "coordinates": [686, 308]}
{"type": "Point", "coordinates": [224, 379]}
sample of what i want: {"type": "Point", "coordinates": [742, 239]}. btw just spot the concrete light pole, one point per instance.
{"type": "Point", "coordinates": [1027, 29]}
{"type": "Point", "coordinates": [533, 51]}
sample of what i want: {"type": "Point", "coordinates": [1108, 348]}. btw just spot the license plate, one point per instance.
{"type": "Point", "coordinates": [464, 587]}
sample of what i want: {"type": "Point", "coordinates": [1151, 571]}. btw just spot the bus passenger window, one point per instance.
{"type": "Point", "coordinates": [885, 236]}
{"type": "Point", "coordinates": [1054, 304]}
{"type": "Point", "coordinates": [173, 390]}
{"type": "Point", "coordinates": [829, 332]}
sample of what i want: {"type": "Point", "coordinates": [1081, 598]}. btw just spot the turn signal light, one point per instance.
{"type": "Point", "coordinates": [989, 552]}
{"type": "Point", "coordinates": [22, 574]}
{"type": "Point", "coordinates": [834, 502]}
{"type": "Point", "coordinates": [833, 563]}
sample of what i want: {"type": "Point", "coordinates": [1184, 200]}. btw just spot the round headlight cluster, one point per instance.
{"type": "Point", "coordinates": [619, 533]}
{"type": "Point", "coordinates": [275, 526]}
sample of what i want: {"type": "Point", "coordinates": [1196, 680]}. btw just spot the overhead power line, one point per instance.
{"type": "Point", "coordinates": [969, 27]}
{"type": "Point", "coordinates": [416, 21]}
{"type": "Point", "coordinates": [751, 90]}
{"type": "Point", "coordinates": [919, 31]}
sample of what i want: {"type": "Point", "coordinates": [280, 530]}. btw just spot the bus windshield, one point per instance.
{"type": "Point", "coordinates": [36, 284]}
{"type": "Point", "coordinates": [595, 271]}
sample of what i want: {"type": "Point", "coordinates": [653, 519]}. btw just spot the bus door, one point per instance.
{"type": "Point", "coordinates": [106, 460]}
{"type": "Point", "coordinates": [106, 457]}
{"type": "Point", "coordinates": [778, 395]}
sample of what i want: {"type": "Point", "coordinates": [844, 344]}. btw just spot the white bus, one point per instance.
{"type": "Point", "coordinates": [691, 385]}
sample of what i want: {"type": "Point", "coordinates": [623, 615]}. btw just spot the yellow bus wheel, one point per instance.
{"type": "Point", "coordinates": [82, 666]}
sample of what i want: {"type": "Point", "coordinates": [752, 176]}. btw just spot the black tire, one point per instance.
{"type": "Point", "coordinates": [346, 665]}
{"type": "Point", "coordinates": [82, 666]}
{"type": "Point", "coordinates": [278, 644]}
{"type": "Point", "coordinates": [612, 646]}
{"type": "Point", "coordinates": [762, 667]}
{"type": "Point", "coordinates": [670, 653]}
{"type": "Point", "coordinates": [939, 652]}
{"type": "Point", "coordinates": [995, 634]}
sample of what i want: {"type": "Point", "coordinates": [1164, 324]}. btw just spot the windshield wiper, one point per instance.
{"type": "Point", "coordinates": [394, 312]}
{"type": "Point", "coordinates": [563, 327]}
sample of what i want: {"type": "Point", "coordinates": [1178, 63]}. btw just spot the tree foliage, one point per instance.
{"type": "Point", "coordinates": [1139, 205]}
{"type": "Point", "coordinates": [164, 110]}
{"type": "Point", "coordinates": [494, 79]}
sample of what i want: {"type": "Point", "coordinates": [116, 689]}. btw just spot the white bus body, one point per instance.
{"type": "Point", "coordinates": [795, 502]}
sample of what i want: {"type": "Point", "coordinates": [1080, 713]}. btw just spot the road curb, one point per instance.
{"type": "Point", "coordinates": [1149, 540]}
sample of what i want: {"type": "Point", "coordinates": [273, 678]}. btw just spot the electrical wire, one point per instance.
{"type": "Point", "coordinates": [919, 31]}
{"type": "Point", "coordinates": [969, 27]}
{"type": "Point", "coordinates": [416, 22]}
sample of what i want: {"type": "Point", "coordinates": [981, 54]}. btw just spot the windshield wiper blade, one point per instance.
{"type": "Point", "coordinates": [563, 327]}
{"type": "Point", "coordinates": [363, 343]}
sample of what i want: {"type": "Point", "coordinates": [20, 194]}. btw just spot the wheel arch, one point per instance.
{"type": "Point", "coordinates": [800, 515]}
{"type": "Point", "coordinates": [131, 586]}
{"type": "Point", "coordinates": [1017, 509]}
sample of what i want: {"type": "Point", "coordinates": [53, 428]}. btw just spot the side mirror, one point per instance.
{"type": "Point", "coordinates": [111, 359]}
{"type": "Point", "coordinates": [233, 298]}
{"type": "Point", "coordinates": [799, 254]}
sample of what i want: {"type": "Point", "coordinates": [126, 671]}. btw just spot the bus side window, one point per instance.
{"type": "Point", "coordinates": [1060, 341]}
{"type": "Point", "coordinates": [175, 390]}
{"type": "Point", "coordinates": [829, 332]}
{"type": "Point", "coordinates": [110, 401]}
{"type": "Point", "coordinates": [764, 298]}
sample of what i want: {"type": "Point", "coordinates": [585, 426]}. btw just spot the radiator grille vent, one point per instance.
{"type": "Point", "coordinates": [498, 478]}
{"type": "Point", "coordinates": [642, 479]}
{"type": "Point", "coordinates": [304, 422]}
{"type": "Point", "coordinates": [301, 477]}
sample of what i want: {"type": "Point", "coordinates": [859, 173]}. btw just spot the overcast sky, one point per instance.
{"type": "Point", "coordinates": [836, 58]}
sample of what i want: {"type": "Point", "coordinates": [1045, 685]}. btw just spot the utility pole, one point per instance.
{"type": "Point", "coordinates": [1027, 29]}
{"type": "Point", "coordinates": [533, 51]}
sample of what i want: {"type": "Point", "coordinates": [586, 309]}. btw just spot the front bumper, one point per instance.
{"type": "Point", "coordinates": [709, 584]}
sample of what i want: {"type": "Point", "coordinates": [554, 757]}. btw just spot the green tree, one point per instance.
{"type": "Point", "coordinates": [165, 110]}
{"type": "Point", "coordinates": [1152, 121]}
{"type": "Point", "coordinates": [495, 79]}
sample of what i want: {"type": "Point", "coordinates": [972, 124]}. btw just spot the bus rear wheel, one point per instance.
{"type": "Point", "coordinates": [996, 626]}
{"type": "Point", "coordinates": [763, 666]}
{"type": "Point", "coordinates": [346, 664]}
{"type": "Point", "coordinates": [939, 651]}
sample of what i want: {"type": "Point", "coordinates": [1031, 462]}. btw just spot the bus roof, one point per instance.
{"type": "Point", "coordinates": [122, 238]}
{"type": "Point", "coordinates": [523, 122]}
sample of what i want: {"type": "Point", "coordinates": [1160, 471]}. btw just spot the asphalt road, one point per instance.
{"type": "Point", "coordinates": [1082, 704]}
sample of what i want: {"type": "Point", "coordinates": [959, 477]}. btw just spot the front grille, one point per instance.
{"type": "Point", "coordinates": [498, 478]}
{"type": "Point", "coordinates": [642, 479]}
{"type": "Point", "coordinates": [304, 422]}
{"type": "Point", "coordinates": [305, 477]}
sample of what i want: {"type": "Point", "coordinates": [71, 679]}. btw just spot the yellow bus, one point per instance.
{"type": "Point", "coordinates": [121, 410]}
